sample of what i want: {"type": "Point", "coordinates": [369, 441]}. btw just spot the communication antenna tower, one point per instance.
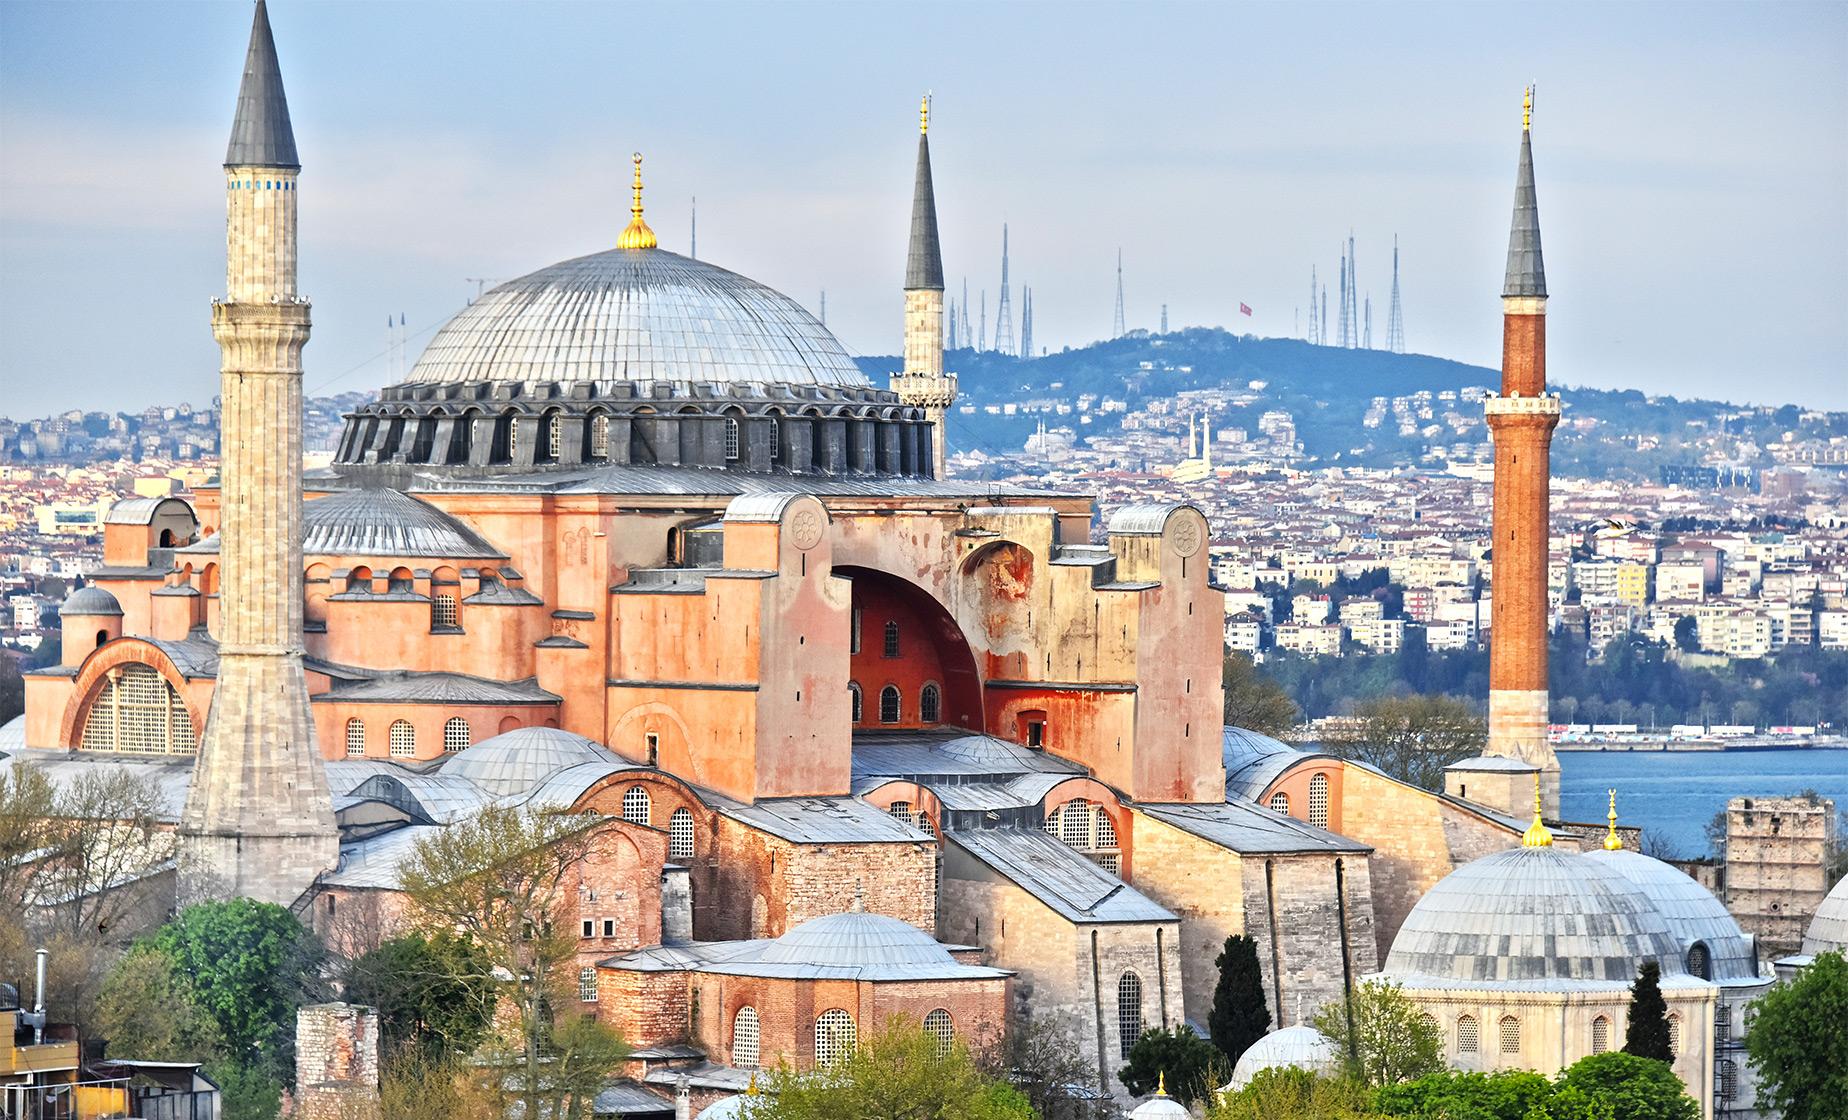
{"type": "Point", "coordinates": [1164, 318]}
{"type": "Point", "coordinates": [1353, 302]}
{"type": "Point", "coordinates": [1314, 337]}
{"type": "Point", "coordinates": [1395, 318]}
{"type": "Point", "coordinates": [1004, 312]}
{"type": "Point", "coordinates": [1341, 283]}
{"type": "Point", "coordinates": [1117, 329]}
{"type": "Point", "coordinates": [1026, 322]}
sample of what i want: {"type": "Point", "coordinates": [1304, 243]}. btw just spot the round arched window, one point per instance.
{"type": "Point", "coordinates": [635, 806]}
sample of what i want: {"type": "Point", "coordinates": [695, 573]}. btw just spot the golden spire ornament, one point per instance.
{"type": "Point", "coordinates": [637, 235]}
{"type": "Point", "coordinates": [924, 113]}
{"type": "Point", "coordinates": [1613, 842]}
{"type": "Point", "coordinates": [1537, 835]}
{"type": "Point", "coordinates": [1527, 111]}
{"type": "Point", "coordinates": [1161, 1083]}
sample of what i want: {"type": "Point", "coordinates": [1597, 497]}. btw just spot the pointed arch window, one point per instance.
{"type": "Point", "coordinates": [1674, 1035]}
{"type": "Point", "coordinates": [1469, 1038]}
{"type": "Point", "coordinates": [1129, 1012]}
{"type": "Point", "coordinates": [745, 1039]}
{"type": "Point", "coordinates": [930, 704]}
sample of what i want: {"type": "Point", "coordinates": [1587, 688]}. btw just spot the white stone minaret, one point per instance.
{"type": "Point", "coordinates": [922, 383]}
{"type": "Point", "coordinates": [258, 821]}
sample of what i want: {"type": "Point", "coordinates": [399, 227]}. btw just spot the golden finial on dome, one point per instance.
{"type": "Point", "coordinates": [637, 235]}
{"type": "Point", "coordinates": [1537, 835]}
{"type": "Point", "coordinates": [924, 113]}
{"type": "Point", "coordinates": [1161, 1083]}
{"type": "Point", "coordinates": [1527, 110]}
{"type": "Point", "coordinates": [751, 1090]}
{"type": "Point", "coordinates": [1612, 842]}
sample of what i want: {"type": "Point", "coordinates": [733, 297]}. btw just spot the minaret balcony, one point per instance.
{"type": "Point", "coordinates": [1497, 405]}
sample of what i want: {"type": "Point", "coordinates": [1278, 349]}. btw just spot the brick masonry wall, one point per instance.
{"type": "Point", "coordinates": [1775, 854]}
{"type": "Point", "coordinates": [336, 1062]}
{"type": "Point", "coordinates": [763, 886]}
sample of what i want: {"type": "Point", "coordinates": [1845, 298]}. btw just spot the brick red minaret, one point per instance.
{"type": "Point", "coordinates": [1521, 419]}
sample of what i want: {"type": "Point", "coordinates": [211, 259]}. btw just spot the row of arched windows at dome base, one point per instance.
{"type": "Point", "coordinates": [892, 703]}
{"type": "Point", "coordinates": [1467, 1035]}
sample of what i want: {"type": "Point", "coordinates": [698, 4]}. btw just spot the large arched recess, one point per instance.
{"type": "Point", "coordinates": [931, 651]}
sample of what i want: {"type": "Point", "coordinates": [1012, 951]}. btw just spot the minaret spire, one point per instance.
{"type": "Point", "coordinates": [922, 383]}
{"type": "Point", "coordinates": [1526, 272]}
{"type": "Point", "coordinates": [261, 135]}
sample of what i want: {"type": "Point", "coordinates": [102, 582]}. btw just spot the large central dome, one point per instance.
{"type": "Point", "coordinates": [644, 316]}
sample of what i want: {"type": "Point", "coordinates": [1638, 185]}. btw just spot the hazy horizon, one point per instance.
{"type": "Point", "coordinates": [1692, 166]}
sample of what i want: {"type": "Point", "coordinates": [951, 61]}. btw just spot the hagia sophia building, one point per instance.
{"type": "Point", "coordinates": [636, 537]}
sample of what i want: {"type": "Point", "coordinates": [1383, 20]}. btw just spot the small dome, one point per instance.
{"type": "Point", "coordinates": [644, 316]}
{"type": "Point", "coordinates": [1828, 930]}
{"type": "Point", "coordinates": [856, 939]}
{"type": "Point", "coordinates": [726, 1108]}
{"type": "Point", "coordinates": [517, 761]}
{"type": "Point", "coordinates": [90, 602]}
{"type": "Point", "coordinates": [1160, 1107]}
{"type": "Point", "coordinates": [1291, 1047]}
{"type": "Point", "coordinates": [1693, 915]}
{"type": "Point", "coordinates": [1531, 914]}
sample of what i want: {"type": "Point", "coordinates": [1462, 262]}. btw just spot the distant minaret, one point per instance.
{"type": "Point", "coordinates": [1341, 283]}
{"type": "Point", "coordinates": [968, 339]}
{"type": "Point", "coordinates": [1117, 329]}
{"type": "Point", "coordinates": [258, 822]}
{"type": "Point", "coordinates": [1395, 319]}
{"type": "Point", "coordinates": [1315, 335]}
{"type": "Point", "coordinates": [1004, 314]}
{"type": "Point", "coordinates": [693, 237]}
{"type": "Point", "coordinates": [1521, 419]}
{"type": "Point", "coordinates": [922, 383]}
{"type": "Point", "coordinates": [1164, 318]}
{"type": "Point", "coordinates": [1366, 318]}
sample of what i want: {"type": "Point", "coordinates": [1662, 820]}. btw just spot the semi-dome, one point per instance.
{"type": "Point", "coordinates": [517, 761]}
{"type": "Point", "coordinates": [383, 523]}
{"type": "Point", "coordinates": [1712, 944]}
{"type": "Point", "coordinates": [1287, 1048]}
{"type": "Point", "coordinates": [90, 602]}
{"type": "Point", "coordinates": [856, 939]}
{"type": "Point", "coordinates": [643, 316]}
{"type": "Point", "coordinates": [1532, 914]}
{"type": "Point", "coordinates": [1828, 930]}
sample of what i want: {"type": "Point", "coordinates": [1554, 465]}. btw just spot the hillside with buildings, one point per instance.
{"type": "Point", "coordinates": [1319, 406]}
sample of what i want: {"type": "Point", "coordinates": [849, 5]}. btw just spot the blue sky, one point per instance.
{"type": "Point", "coordinates": [1692, 163]}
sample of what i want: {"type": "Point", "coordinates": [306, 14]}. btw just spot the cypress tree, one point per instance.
{"type": "Point", "coordinates": [1647, 1034]}
{"type": "Point", "coordinates": [1240, 1016]}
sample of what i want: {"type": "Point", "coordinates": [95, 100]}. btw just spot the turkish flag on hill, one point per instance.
{"type": "Point", "coordinates": [1244, 309]}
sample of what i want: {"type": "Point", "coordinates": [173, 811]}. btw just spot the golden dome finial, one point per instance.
{"type": "Point", "coordinates": [1537, 835]}
{"type": "Point", "coordinates": [1613, 842]}
{"type": "Point", "coordinates": [637, 235]}
{"type": "Point", "coordinates": [1527, 110]}
{"type": "Point", "coordinates": [1161, 1083]}
{"type": "Point", "coordinates": [924, 113]}
{"type": "Point", "coordinates": [751, 1090]}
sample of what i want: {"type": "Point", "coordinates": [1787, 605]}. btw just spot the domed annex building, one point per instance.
{"type": "Point", "coordinates": [1524, 960]}
{"type": "Point", "coordinates": [636, 537]}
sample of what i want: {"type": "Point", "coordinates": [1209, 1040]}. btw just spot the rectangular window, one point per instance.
{"type": "Point", "coordinates": [1036, 734]}
{"type": "Point", "coordinates": [853, 639]}
{"type": "Point", "coordinates": [654, 749]}
{"type": "Point", "coordinates": [587, 985]}
{"type": "Point", "coordinates": [609, 927]}
{"type": "Point", "coordinates": [443, 612]}
{"type": "Point", "coordinates": [589, 927]}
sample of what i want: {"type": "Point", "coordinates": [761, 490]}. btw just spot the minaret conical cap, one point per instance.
{"type": "Point", "coordinates": [261, 135]}
{"type": "Point", "coordinates": [924, 263]}
{"type": "Point", "coordinates": [1526, 272]}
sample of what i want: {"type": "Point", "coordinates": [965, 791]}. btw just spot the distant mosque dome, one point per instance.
{"type": "Point", "coordinates": [1828, 930]}
{"type": "Point", "coordinates": [1288, 1048]}
{"type": "Point", "coordinates": [90, 602]}
{"type": "Point", "coordinates": [643, 316]}
{"type": "Point", "coordinates": [1533, 914]}
{"type": "Point", "coordinates": [517, 761]}
{"type": "Point", "coordinates": [857, 939]}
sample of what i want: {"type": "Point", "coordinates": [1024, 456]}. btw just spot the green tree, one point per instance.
{"type": "Point", "coordinates": [1240, 1015]}
{"type": "Point", "coordinates": [1413, 738]}
{"type": "Point", "coordinates": [1647, 1034]}
{"type": "Point", "coordinates": [434, 992]}
{"type": "Point", "coordinates": [148, 1011]}
{"type": "Point", "coordinates": [1798, 1045]}
{"type": "Point", "coordinates": [1386, 1038]}
{"type": "Point", "coordinates": [497, 879]}
{"type": "Point", "coordinates": [250, 965]}
{"type": "Point", "coordinates": [1044, 1058]}
{"type": "Point", "coordinates": [245, 1092]}
{"type": "Point", "coordinates": [582, 1052]}
{"type": "Point", "coordinates": [896, 1073]}
{"type": "Point", "coordinates": [1181, 1058]}
{"type": "Point", "coordinates": [1687, 634]}
{"type": "Point", "coordinates": [1620, 1086]}
{"type": "Point", "coordinates": [1505, 1095]}
{"type": "Point", "coordinates": [1294, 1094]}
{"type": "Point", "coordinates": [1254, 701]}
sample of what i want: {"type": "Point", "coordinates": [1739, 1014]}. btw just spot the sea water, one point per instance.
{"type": "Point", "coordinates": [1673, 794]}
